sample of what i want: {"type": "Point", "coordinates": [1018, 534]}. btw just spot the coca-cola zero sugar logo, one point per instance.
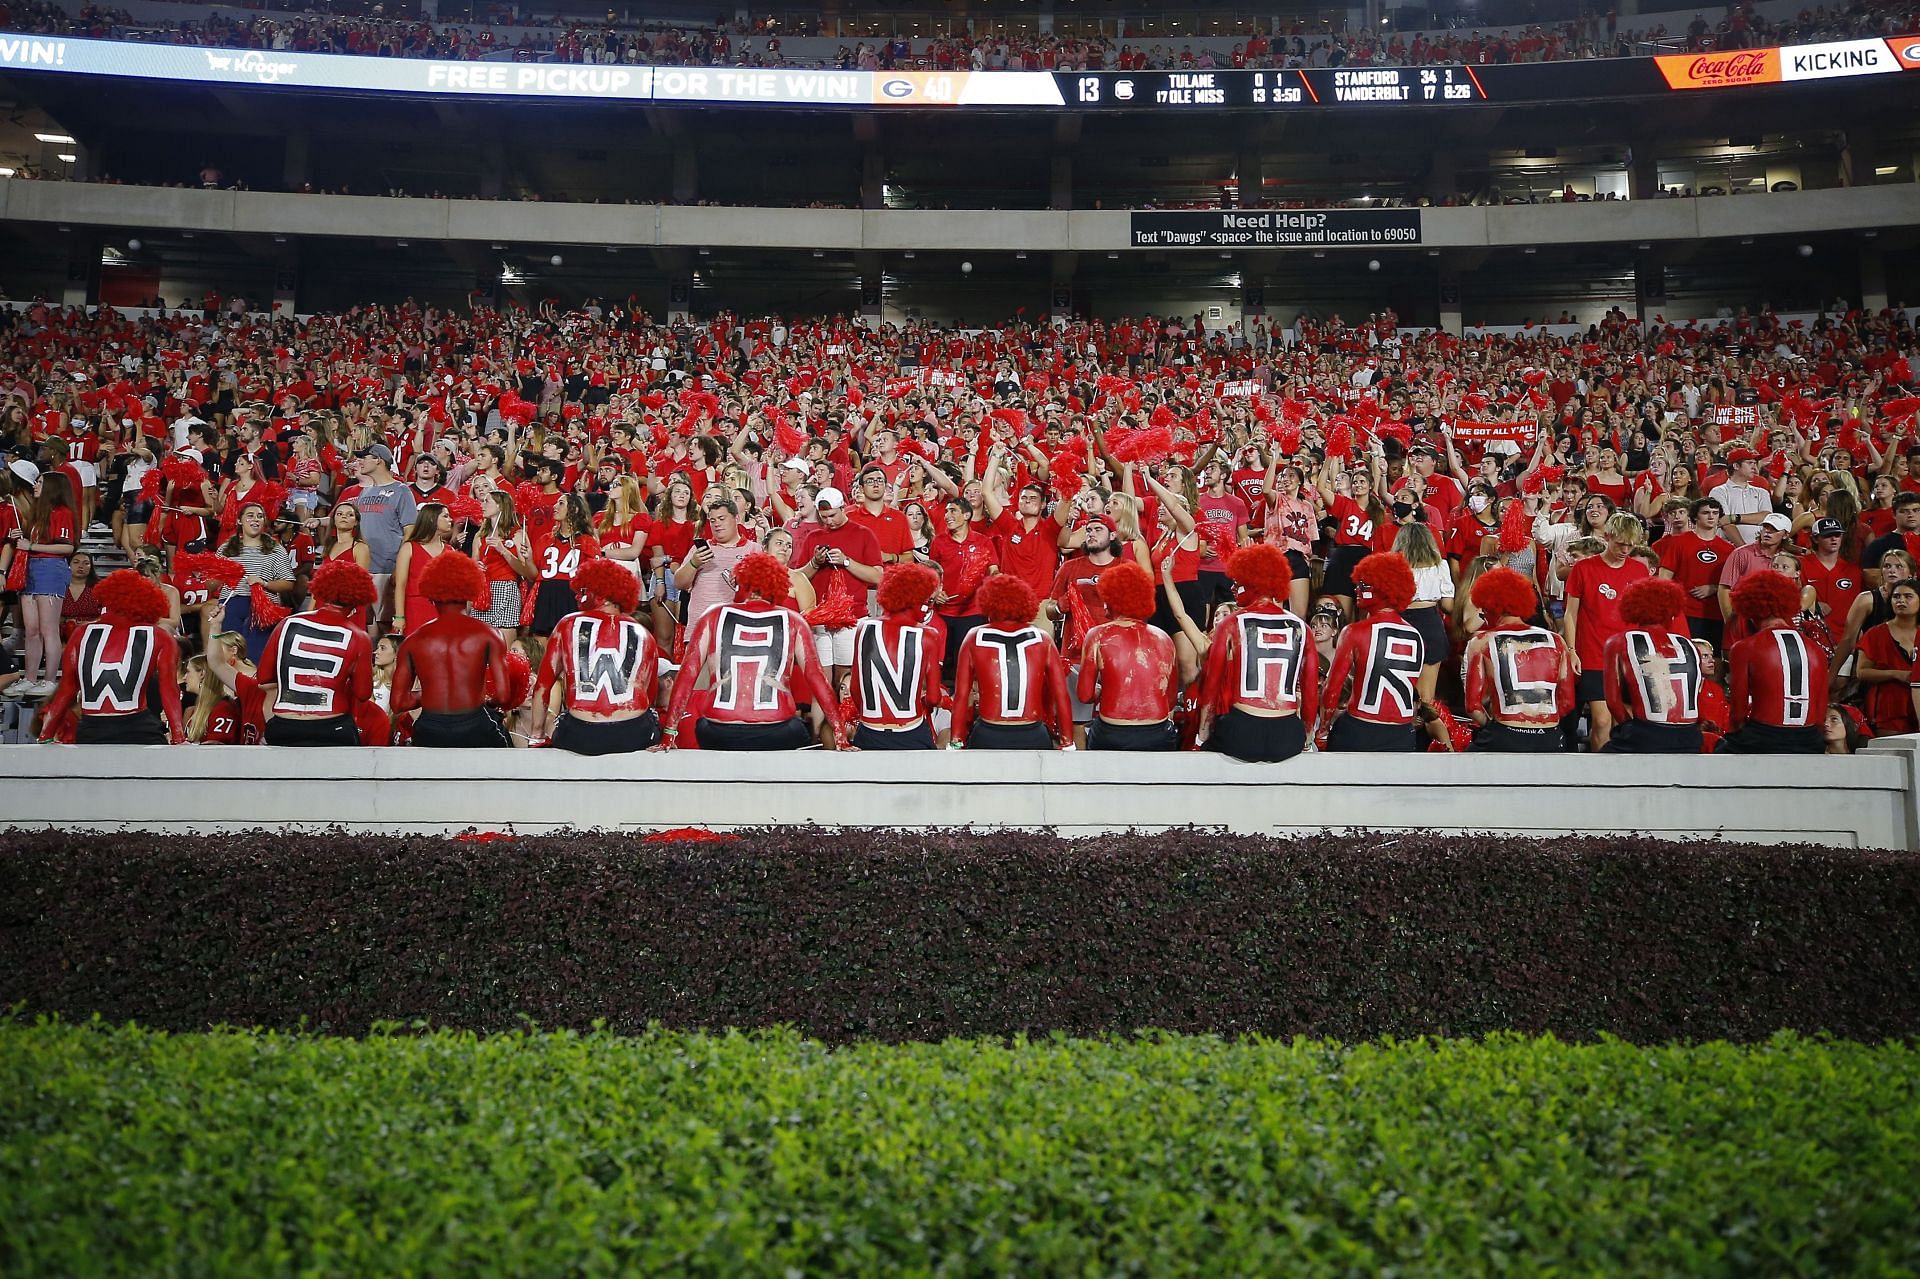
{"type": "Point", "coordinates": [1720, 70]}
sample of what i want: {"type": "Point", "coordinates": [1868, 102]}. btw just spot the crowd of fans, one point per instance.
{"type": "Point", "coordinates": [1297, 44]}
{"type": "Point", "coordinates": [603, 532]}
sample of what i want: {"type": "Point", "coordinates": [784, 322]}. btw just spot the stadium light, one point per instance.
{"type": "Point", "coordinates": [6, 173]}
{"type": "Point", "coordinates": [63, 139]}
{"type": "Point", "coordinates": [68, 156]}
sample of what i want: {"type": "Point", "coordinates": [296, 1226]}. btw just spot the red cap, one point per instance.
{"type": "Point", "coordinates": [1743, 455]}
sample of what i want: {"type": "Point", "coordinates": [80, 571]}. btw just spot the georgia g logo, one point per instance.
{"type": "Point", "coordinates": [897, 88]}
{"type": "Point", "coordinates": [1706, 556]}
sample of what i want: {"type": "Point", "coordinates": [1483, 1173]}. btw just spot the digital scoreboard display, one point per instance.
{"type": "Point", "coordinates": [1266, 90]}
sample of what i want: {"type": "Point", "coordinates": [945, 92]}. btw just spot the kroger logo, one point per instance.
{"type": "Point", "coordinates": [252, 64]}
{"type": "Point", "coordinates": [897, 88]}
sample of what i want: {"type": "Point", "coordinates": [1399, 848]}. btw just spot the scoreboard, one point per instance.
{"type": "Point", "coordinates": [1268, 90]}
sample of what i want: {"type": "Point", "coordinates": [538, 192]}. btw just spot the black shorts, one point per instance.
{"type": "Point", "coordinates": [785, 735]}
{"type": "Point", "coordinates": [1638, 737]}
{"type": "Point", "coordinates": [335, 730]}
{"type": "Point", "coordinates": [958, 628]}
{"type": "Point", "coordinates": [607, 737]}
{"type": "Point", "coordinates": [1102, 736]}
{"type": "Point", "coordinates": [917, 738]}
{"type": "Point", "coordinates": [1504, 738]}
{"type": "Point", "coordinates": [554, 601]}
{"type": "Point", "coordinates": [1216, 586]}
{"type": "Point", "coordinates": [1193, 598]}
{"type": "Point", "coordinates": [1432, 625]}
{"type": "Point", "coordinates": [1591, 688]}
{"type": "Point", "coordinates": [471, 730]}
{"type": "Point", "coordinates": [1711, 629]}
{"type": "Point", "coordinates": [143, 728]}
{"type": "Point", "coordinates": [1302, 569]}
{"type": "Point", "coordinates": [1768, 739]}
{"type": "Point", "coordinates": [1350, 734]}
{"type": "Point", "coordinates": [1257, 739]}
{"type": "Point", "coordinates": [1338, 579]}
{"type": "Point", "coordinates": [1009, 737]}
{"type": "Point", "coordinates": [136, 510]}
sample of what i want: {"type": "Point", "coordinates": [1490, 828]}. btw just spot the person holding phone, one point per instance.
{"type": "Point", "coordinates": [706, 571]}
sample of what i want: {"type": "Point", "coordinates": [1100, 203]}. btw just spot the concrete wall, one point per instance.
{"type": "Point", "coordinates": [1864, 801]}
{"type": "Point", "coordinates": [257, 212]}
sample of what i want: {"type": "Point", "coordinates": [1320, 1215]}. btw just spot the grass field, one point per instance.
{"type": "Point", "coordinates": [128, 1152]}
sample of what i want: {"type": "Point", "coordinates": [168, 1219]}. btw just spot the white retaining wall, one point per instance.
{"type": "Point", "coordinates": [1863, 801]}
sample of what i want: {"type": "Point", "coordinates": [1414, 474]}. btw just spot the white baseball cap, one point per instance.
{"type": "Point", "coordinates": [1779, 521]}
{"type": "Point", "coordinates": [25, 470]}
{"type": "Point", "coordinates": [830, 497]}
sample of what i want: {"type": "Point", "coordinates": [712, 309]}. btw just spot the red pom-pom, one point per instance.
{"type": "Point", "coordinates": [601, 579]}
{"type": "Point", "coordinates": [1015, 418]}
{"type": "Point", "coordinates": [206, 567]}
{"type": "Point", "coordinates": [128, 595]}
{"type": "Point", "coordinates": [1654, 601]}
{"type": "Point", "coordinates": [1149, 444]}
{"type": "Point", "coordinates": [1007, 601]}
{"type": "Point", "coordinates": [465, 510]}
{"type": "Point", "coordinates": [1162, 415]}
{"type": "Point", "coordinates": [1340, 438]}
{"type": "Point", "coordinates": [761, 576]}
{"type": "Point", "coordinates": [452, 578]}
{"type": "Point", "coordinates": [150, 484]}
{"type": "Point", "coordinates": [268, 612]}
{"type": "Point", "coordinates": [838, 611]}
{"type": "Point", "coordinates": [1286, 437]}
{"type": "Point", "coordinates": [1532, 482]}
{"type": "Point", "coordinates": [1534, 377]}
{"type": "Point", "coordinates": [1516, 527]}
{"type": "Point", "coordinates": [519, 681]}
{"type": "Point", "coordinates": [1553, 474]}
{"type": "Point", "coordinates": [1067, 474]}
{"type": "Point", "coordinates": [1127, 590]}
{"type": "Point", "coordinates": [1221, 539]}
{"type": "Point", "coordinates": [1766, 594]}
{"type": "Point", "coordinates": [654, 400]}
{"type": "Point", "coordinates": [182, 471]}
{"type": "Point", "coordinates": [907, 587]}
{"type": "Point", "coordinates": [1388, 576]}
{"type": "Point", "coordinates": [790, 439]}
{"type": "Point", "coordinates": [344, 585]}
{"type": "Point", "coordinates": [1262, 571]}
{"type": "Point", "coordinates": [1501, 592]}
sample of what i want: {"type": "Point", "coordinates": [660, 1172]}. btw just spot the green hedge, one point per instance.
{"type": "Point", "coordinates": [123, 1151]}
{"type": "Point", "coordinates": [897, 935]}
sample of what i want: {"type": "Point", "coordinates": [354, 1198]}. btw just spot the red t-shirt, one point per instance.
{"type": "Point", "coordinates": [1598, 586]}
{"type": "Point", "coordinates": [1033, 555]}
{"type": "Point", "coordinates": [1694, 561]}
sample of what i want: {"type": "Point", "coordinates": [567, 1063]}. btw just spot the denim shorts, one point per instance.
{"type": "Point", "coordinates": [47, 575]}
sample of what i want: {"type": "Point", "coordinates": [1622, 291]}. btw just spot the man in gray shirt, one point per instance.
{"type": "Point", "coordinates": [387, 508]}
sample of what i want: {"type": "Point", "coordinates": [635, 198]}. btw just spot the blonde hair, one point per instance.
{"type": "Point", "coordinates": [1127, 522]}
{"type": "Point", "coordinates": [204, 701]}
{"type": "Point", "coordinates": [1625, 529]}
{"type": "Point", "coordinates": [1415, 542]}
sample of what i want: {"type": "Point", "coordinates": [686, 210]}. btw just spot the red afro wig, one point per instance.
{"type": "Point", "coordinates": [1501, 592]}
{"type": "Point", "coordinates": [1127, 590]}
{"type": "Point", "coordinates": [1386, 576]}
{"type": "Point", "coordinates": [1007, 601]}
{"type": "Point", "coordinates": [1653, 601]}
{"type": "Point", "coordinates": [1766, 594]}
{"type": "Point", "coordinates": [762, 576]}
{"type": "Point", "coordinates": [906, 587]}
{"type": "Point", "coordinates": [129, 596]}
{"type": "Point", "coordinates": [1261, 570]}
{"type": "Point", "coordinates": [452, 578]}
{"type": "Point", "coordinates": [603, 580]}
{"type": "Point", "coordinates": [344, 585]}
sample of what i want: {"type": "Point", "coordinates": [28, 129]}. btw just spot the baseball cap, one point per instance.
{"type": "Point", "coordinates": [830, 497]}
{"type": "Point", "coordinates": [380, 451]}
{"type": "Point", "coordinates": [796, 464]}
{"type": "Point", "coordinates": [1424, 450]}
{"type": "Point", "coordinates": [1777, 520]}
{"type": "Point", "coordinates": [26, 470]}
{"type": "Point", "coordinates": [1103, 522]}
{"type": "Point", "coordinates": [1743, 455]}
{"type": "Point", "coordinates": [1827, 526]}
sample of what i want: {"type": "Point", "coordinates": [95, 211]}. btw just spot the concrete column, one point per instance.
{"type": "Point", "coordinates": [286, 284]}
{"type": "Point", "coordinates": [1451, 311]}
{"type": "Point", "coordinates": [873, 181]}
{"type": "Point", "coordinates": [1250, 172]}
{"type": "Point", "coordinates": [1060, 291]}
{"type": "Point", "coordinates": [872, 295]}
{"type": "Point", "coordinates": [1060, 185]}
{"type": "Point", "coordinates": [1443, 177]}
{"type": "Point", "coordinates": [1873, 277]}
{"type": "Point", "coordinates": [1649, 289]}
{"type": "Point", "coordinates": [295, 170]}
{"type": "Point", "coordinates": [1643, 171]}
{"type": "Point", "coordinates": [82, 286]}
{"type": "Point", "coordinates": [679, 296]}
{"type": "Point", "coordinates": [686, 174]}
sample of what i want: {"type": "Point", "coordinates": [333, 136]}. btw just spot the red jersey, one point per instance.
{"type": "Point", "coordinates": [1598, 586]}
{"type": "Point", "coordinates": [963, 567]}
{"type": "Point", "coordinates": [605, 665]}
{"type": "Point", "coordinates": [1519, 675]}
{"type": "Point", "coordinates": [1262, 658]}
{"type": "Point", "coordinates": [112, 667]}
{"type": "Point", "coordinates": [759, 661]}
{"type": "Point", "coordinates": [1076, 591]}
{"type": "Point", "coordinates": [1692, 560]}
{"type": "Point", "coordinates": [1375, 670]}
{"type": "Point", "coordinates": [1352, 526]}
{"type": "Point", "coordinates": [1777, 679]}
{"type": "Point", "coordinates": [1133, 667]}
{"type": "Point", "coordinates": [1018, 678]}
{"type": "Point", "coordinates": [319, 663]}
{"type": "Point", "coordinates": [559, 558]}
{"type": "Point", "coordinates": [1836, 588]}
{"type": "Point", "coordinates": [1032, 555]}
{"type": "Point", "coordinates": [896, 671]}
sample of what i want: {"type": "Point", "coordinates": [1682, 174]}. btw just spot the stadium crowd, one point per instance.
{"type": "Point", "coordinates": [1299, 42]}
{"type": "Point", "coordinates": [603, 532]}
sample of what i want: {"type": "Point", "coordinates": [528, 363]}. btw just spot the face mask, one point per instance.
{"type": "Point", "coordinates": [1477, 503]}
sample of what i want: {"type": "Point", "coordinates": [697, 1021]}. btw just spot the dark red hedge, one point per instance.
{"type": "Point", "coordinates": [909, 936]}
